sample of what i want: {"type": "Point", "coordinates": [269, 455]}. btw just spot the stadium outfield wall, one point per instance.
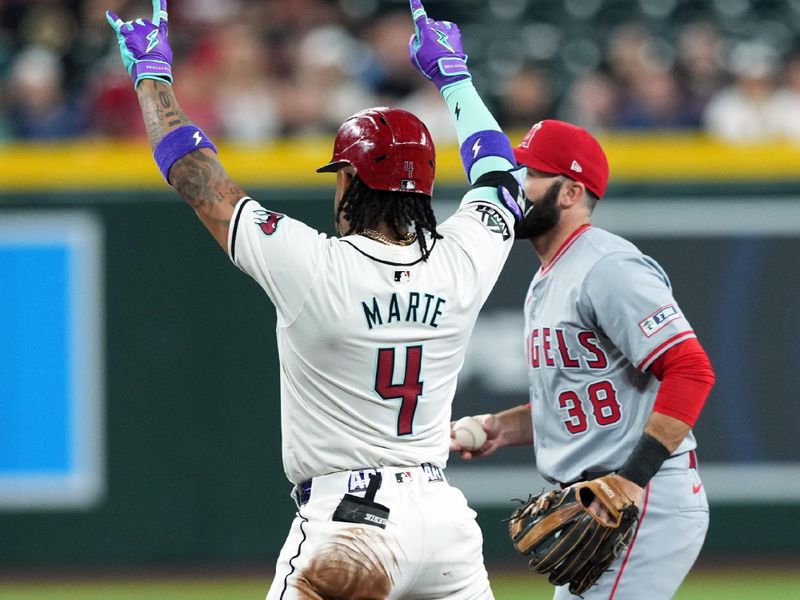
{"type": "Point", "coordinates": [160, 398]}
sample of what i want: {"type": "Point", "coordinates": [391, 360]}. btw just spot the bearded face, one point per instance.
{"type": "Point", "coordinates": [542, 215]}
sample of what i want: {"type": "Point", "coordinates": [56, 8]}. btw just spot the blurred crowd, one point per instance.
{"type": "Point", "coordinates": [250, 71]}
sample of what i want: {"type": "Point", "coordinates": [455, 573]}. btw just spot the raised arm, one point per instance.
{"type": "Point", "coordinates": [184, 154]}
{"type": "Point", "coordinates": [437, 52]}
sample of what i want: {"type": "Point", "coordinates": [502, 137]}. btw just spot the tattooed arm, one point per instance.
{"type": "Point", "coordinates": [186, 157]}
{"type": "Point", "coordinates": [198, 176]}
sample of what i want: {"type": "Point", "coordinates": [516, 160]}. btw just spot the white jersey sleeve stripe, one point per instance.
{"type": "Point", "coordinates": [673, 341]}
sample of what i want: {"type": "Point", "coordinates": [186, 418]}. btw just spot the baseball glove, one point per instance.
{"type": "Point", "coordinates": [568, 543]}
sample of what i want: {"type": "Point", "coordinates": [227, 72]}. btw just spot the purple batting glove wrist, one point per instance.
{"type": "Point", "coordinates": [511, 203]}
{"type": "Point", "coordinates": [144, 45]}
{"type": "Point", "coordinates": [450, 70]}
{"type": "Point", "coordinates": [151, 69]}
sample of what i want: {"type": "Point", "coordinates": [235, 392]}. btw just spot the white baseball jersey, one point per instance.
{"type": "Point", "coordinates": [370, 337]}
{"type": "Point", "coordinates": [596, 317]}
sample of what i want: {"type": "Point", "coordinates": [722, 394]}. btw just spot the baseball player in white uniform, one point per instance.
{"type": "Point", "coordinates": [617, 377]}
{"type": "Point", "coordinates": [372, 326]}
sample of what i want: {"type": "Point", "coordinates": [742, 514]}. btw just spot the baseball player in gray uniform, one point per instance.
{"type": "Point", "coordinates": [372, 326]}
{"type": "Point", "coordinates": [617, 377]}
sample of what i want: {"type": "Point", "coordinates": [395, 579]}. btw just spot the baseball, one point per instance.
{"type": "Point", "coordinates": [469, 433]}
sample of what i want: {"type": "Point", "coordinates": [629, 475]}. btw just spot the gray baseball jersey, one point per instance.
{"type": "Point", "coordinates": [596, 317]}
{"type": "Point", "coordinates": [370, 337]}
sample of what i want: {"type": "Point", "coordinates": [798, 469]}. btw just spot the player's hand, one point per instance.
{"type": "Point", "coordinates": [144, 46]}
{"type": "Point", "coordinates": [436, 50]}
{"type": "Point", "coordinates": [632, 490]}
{"type": "Point", "coordinates": [517, 203]}
{"type": "Point", "coordinates": [491, 425]}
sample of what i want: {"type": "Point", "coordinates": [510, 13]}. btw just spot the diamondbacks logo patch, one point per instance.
{"type": "Point", "coordinates": [267, 220]}
{"type": "Point", "coordinates": [493, 220]}
{"type": "Point", "coordinates": [655, 322]}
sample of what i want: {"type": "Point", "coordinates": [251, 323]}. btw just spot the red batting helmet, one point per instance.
{"type": "Point", "coordinates": [389, 148]}
{"type": "Point", "coordinates": [561, 148]}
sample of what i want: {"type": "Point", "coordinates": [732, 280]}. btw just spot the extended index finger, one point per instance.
{"type": "Point", "coordinates": [159, 11]}
{"type": "Point", "coordinates": [418, 11]}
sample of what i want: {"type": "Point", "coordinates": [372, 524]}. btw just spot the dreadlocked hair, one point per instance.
{"type": "Point", "coordinates": [365, 207]}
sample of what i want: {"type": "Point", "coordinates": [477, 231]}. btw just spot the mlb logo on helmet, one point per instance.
{"type": "Point", "coordinates": [563, 149]}
{"type": "Point", "coordinates": [408, 185]}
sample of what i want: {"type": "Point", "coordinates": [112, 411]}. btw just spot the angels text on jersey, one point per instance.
{"type": "Point", "coordinates": [555, 347]}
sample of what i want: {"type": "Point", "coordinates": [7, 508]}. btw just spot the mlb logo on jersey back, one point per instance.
{"type": "Point", "coordinates": [659, 319]}
{"type": "Point", "coordinates": [402, 276]}
{"type": "Point", "coordinates": [359, 480]}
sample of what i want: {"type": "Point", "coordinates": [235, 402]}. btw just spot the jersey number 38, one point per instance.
{"type": "Point", "coordinates": [603, 400]}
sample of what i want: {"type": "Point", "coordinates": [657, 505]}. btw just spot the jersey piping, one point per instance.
{"type": "Point", "coordinates": [674, 340]}
{"type": "Point", "coordinates": [291, 560]}
{"type": "Point", "coordinates": [633, 541]}
{"type": "Point", "coordinates": [545, 269]}
{"type": "Point", "coordinates": [388, 262]}
{"type": "Point", "coordinates": [236, 226]}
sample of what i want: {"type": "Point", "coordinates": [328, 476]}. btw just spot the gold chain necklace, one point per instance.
{"type": "Point", "coordinates": [408, 239]}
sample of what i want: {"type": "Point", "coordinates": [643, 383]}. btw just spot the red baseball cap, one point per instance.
{"type": "Point", "coordinates": [561, 148]}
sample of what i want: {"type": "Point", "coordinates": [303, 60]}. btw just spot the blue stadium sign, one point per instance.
{"type": "Point", "coordinates": [51, 360]}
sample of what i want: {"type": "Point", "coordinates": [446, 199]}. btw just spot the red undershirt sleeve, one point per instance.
{"type": "Point", "coordinates": [686, 379]}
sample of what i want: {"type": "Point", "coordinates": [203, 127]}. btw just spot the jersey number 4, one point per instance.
{"type": "Point", "coordinates": [605, 408]}
{"type": "Point", "coordinates": [408, 392]}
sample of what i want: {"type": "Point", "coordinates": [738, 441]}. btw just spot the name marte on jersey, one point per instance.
{"type": "Point", "coordinates": [553, 347]}
{"type": "Point", "coordinates": [411, 307]}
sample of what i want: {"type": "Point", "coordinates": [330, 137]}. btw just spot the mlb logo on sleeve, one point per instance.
{"type": "Point", "coordinates": [655, 322]}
